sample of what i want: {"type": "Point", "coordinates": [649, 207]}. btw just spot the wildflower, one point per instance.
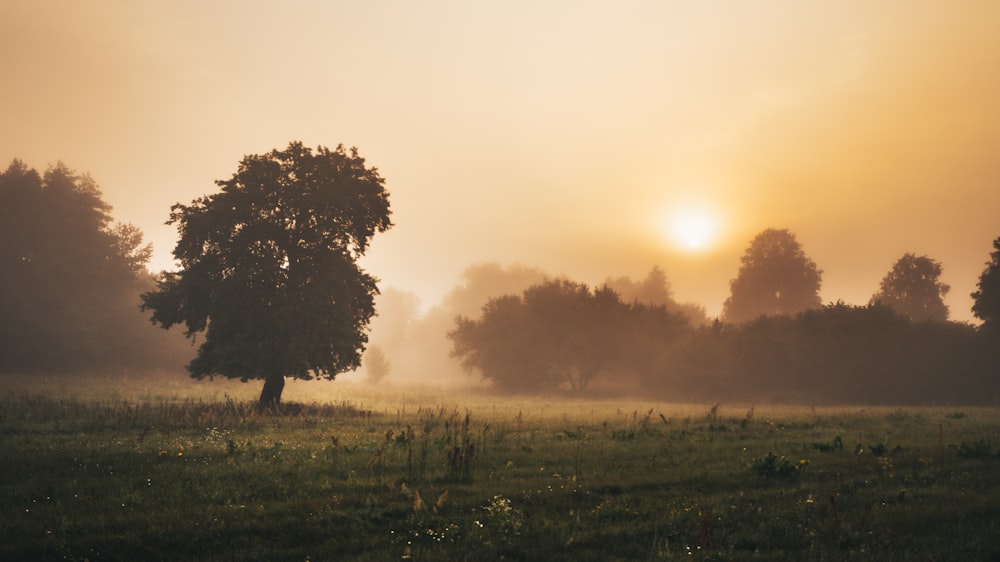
{"type": "Point", "coordinates": [886, 466]}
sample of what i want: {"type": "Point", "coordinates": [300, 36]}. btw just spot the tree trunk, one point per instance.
{"type": "Point", "coordinates": [270, 395]}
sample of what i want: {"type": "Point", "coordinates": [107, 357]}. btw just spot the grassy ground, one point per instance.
{"type": "Point", "coordinates": [191, 471]}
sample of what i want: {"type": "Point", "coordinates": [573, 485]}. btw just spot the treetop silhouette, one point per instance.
{"type": "Point", "coordinates": [775, 277]}
{"type": "Point", "coordinates": [269, 268]}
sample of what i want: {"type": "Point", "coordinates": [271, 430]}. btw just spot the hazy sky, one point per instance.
{"type": "Point", "coordinates": [563, 135]}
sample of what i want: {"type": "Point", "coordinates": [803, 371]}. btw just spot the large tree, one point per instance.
{"type": "Point", "coordinates": [268, 268]}
{"type": "Point", "coordinates": [987, 297]}
{"type": "Point", "coordinates": [912, 289]}
{"type": "Point", "coordinates": [775, 277]}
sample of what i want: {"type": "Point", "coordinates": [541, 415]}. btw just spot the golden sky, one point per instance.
{"type": "Point", "coordinates": [566, 135]}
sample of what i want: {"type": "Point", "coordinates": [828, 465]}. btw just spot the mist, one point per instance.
{"type": "Point", "coordinates": [415, 340]}
{"type": "Point", "coordinates": [562, 136]}
{"type": "Point", "coordinates": [573, 138]}
{"type": "Point", "coordinates": [559, 280]}
{"type": "Point", "coordinates": [834, 353]}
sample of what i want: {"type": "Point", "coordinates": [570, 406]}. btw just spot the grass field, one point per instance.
{"type": "Point", "coordinates": [125, 469]}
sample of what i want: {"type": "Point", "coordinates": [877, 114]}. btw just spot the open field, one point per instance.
{"type": "Point", "coordinates": [185, 470]}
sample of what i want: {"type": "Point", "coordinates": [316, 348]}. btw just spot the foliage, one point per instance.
{"type": "Point", "coordinates": [775, 277]}
{"type": "Point", "coordinates": [835, 354]}
{"type": "Point", "coordinates": [655, 290]}
{"type": "Point", "coordinates": [556, 333]}
{"type": "Point", "coordinates": [376, 364]}
{"type": "Point", "coordinates": [836, 445]}
{"type": "Point", "coordinates": [69, 292]}
{"type": "Point", "coordinates": [560, 334]}
{"type": "Point", "coordinates": [980, 449]}
{"type": "Point", "coordinates": [269, 267]}
{"type": "Point", "coordinates": [650, 338]}
{"type": "Point", "coordinates": [987, 297]}
{"type": "Point", "coordinates": [220, 480]}
{"type": "Point", "coordinates": [774, 466]}
{"type": "Point", "coordinates": [912, 289]}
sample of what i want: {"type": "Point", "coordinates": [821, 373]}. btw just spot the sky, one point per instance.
{"type": "Point", "coordinates": [572, 136]}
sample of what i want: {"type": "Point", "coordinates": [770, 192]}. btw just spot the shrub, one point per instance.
{"type": "Point", "coordinates": [773, 466]}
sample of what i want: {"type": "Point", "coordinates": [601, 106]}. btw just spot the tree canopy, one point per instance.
{"type": "Point", "coordinates": [268, 267]}
{"type": "Point", "coordinates": [655, 290]}
{"type": "Point", "coordinates": [912, 289]}
{"type": "Point", "coordinates": [69, 292]}
{"type": "Point", "coordinates": [775, 277]}
{"type": "Point", "coordinates": [986, 305]}
{"type": "Point", "coordinates": [561, 335]}
{"type": "Point", "coordinates": [834, 354]}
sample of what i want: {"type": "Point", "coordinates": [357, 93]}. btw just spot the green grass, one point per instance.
{"type": "Point", "coordinates": [405, 474]}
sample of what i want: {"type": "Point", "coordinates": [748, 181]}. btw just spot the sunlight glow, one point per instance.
{"type": "Point", "coordinates": [692, 229]}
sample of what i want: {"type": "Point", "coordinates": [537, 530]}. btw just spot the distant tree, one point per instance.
{"type": "Point", "coordinates": [71, 277]}
{"type": "Point", "coordinates": [269, 268]}
{"type": "Point", "coordinates": [580, 329]}
{"type": "Point", "coordinates": [848, 353]}
{"type": "Point", "coordinates": [424, 353]}
{"type": "Point", "coordinates": [987, 297]}
{"type": "Point", "coordinates": [775, 277]}
{"type": "Point", "coordinates": [376, 364]}
{"type": "Point", "coordinates": [655, 290]}
{"type": "Point", "coordinates": [501, 346]}
{"type": "Point", "coordinates": [835, 354]}
{"type": "Point", "coordinates": [128, 243]}
{"type": "Point", "coordinates": [483, 281]}
{"type": "Point", "coordinates": [911, 288]}
{"type": "Point", "coordinates": [558, 334]}
{"type": "Point", "coordinates": [650, 341]}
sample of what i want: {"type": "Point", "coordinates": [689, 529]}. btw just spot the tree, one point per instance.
{"type": "Point", "coordinates": [71, 277]}
{"type": "Point", "coordinates": [128, 243]}
{"type": "Point", "coordinates": [655, 290]}
{"type": "Point", "coordinates": [911, 288]}
{"type": "Point", "coordinates": [500, 346]}
{"type": "Point", "coordinates": [650, 342]}
{"type": "Point", "coordinates": [775, 277]}
{"type": "Point", "coordinates": [376, 363]}
{"type": "Point", "coordinates": [268, 268]}
{"type": "Point", "coordinates": [557, 334]}
{"type": "Point", "coordinates": [986, 305]}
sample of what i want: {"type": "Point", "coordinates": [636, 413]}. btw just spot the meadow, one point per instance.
{"type": "Point", "coordinates": [124, 468]}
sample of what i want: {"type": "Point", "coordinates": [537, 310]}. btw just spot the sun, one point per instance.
{"type": "Point", "coordinates": [692, 228]}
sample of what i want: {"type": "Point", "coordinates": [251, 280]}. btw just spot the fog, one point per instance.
{"type": "Point", "coordinates": [562, 135]}
{"type": "Point", "coordinates": [833, 353]}
{"type": "Point", "coordinates": [415, 340]}
{"type": "Point", "coordinates": [71, 297]}
{"type": "Point", "coordinates": [589, 141]}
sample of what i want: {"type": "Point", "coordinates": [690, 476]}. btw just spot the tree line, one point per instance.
{"type": "Point", "coordinates": [268, 287]}
{"type": "Point", "coordinates": [774, 341]}
{"type": "Point", "coordinates": [71, 280]}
